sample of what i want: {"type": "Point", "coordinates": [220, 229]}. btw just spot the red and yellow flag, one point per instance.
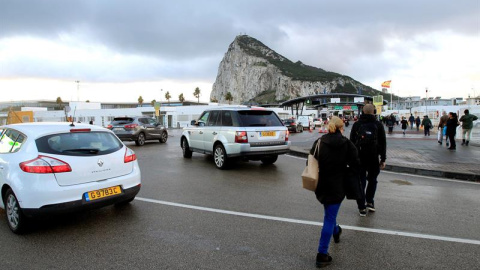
{"type": "Point", "coordinates": [386, 84]}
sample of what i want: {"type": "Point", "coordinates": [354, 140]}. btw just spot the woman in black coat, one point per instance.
{"type": "Point", "coordinates": [452, 124]}
{"type": "Point", "coordinates": [336, 152]}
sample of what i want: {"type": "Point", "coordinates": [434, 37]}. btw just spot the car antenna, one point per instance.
{"type": "Point", "coordinates": [73, 118]}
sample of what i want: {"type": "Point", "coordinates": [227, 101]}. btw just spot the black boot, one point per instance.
{"type": "Point", "coordinates": [336, 236]}
{"type": "Point", "coordinates": [466, 143]}
{"type": "Point", "coordinates": [323, 260]}
{"type": "Point", "coordinates": [463, 142]}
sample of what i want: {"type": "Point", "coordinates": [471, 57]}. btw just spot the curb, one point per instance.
{"type": "Point", "coordinates": [401, 169]}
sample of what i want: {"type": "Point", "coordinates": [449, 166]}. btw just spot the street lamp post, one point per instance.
{"type": "Point", "coordinates": [78, 90]}
{"type": "Point", "coordinates": [426, 100]}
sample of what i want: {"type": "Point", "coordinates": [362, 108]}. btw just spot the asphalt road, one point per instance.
{"type": "Point", "coordinates": [190, 215]}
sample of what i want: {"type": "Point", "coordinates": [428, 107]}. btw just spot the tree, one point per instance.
{"type": "Point", "coordinates": [229, 97]}
{"type": "Point", "coordinates": [153, 102]}
{"type": "Point", "coordinates": [197, 94]}
{"type": "Point", "coordinates": [181, 98]}
{"type": "Point", "coordinates": [167, 96]}
{"type": "Point", "coordinates": [214, 99]}
{"type": "Point", "coordinates": [59, 102]}
{"type": "Point", "coordinates": [140, 100]}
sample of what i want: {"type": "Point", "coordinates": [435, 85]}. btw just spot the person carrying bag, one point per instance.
{"type": "Point", "coordinates": [336, 156]}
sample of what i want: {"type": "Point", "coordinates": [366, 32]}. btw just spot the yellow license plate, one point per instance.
{"type": "Point", "coordinates": [102, 193]}
{"type": "Point", "coordinates": [267, 134]}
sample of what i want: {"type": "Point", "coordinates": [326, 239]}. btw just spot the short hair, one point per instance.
{"type": "Point", "coordinates": [335, 124]}
{"type": "Point", "coordinates": [466, 111]}
{"type": "Point", "coordinates": [368, 109]}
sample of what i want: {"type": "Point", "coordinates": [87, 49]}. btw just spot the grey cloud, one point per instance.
{"type": "Point", "coordinates": [186, 32]}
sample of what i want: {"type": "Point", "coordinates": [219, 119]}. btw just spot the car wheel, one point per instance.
{"type": "Point", "coordinates": [269, 160]}
{"type": "Point", "coordinates": [163, 137]}
{"type": "Point", "coordinates": [186, 149]}
{"type": "Point", "coordinates": [15, 218]}
{"type": "Point", "coordinates": [220, 157]}
{"type": "Point", "coordinates": [140, 140]}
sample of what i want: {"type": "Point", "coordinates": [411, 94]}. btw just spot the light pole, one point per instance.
{"type": "Point", "coordinates": [426, 99]}
{"type": "Point", "coordinates": [78, 90]}
{"type": "Point", "coordinates": [160, 108]}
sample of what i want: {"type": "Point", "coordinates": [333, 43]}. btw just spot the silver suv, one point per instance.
{"type": "Point", "coordinates": [241, 132]}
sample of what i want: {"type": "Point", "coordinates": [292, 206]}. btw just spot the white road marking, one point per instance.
{"type": "Point", "coordinates": [416, 175]}
{"type": "Point", "coordinates": [314, 223]}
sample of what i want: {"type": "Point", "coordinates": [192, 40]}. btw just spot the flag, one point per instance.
{"type": "Point", "coordinates": [386, 84]}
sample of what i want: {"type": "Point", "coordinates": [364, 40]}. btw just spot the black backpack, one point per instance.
{"type": "Point", "coordinates": [367, 139]}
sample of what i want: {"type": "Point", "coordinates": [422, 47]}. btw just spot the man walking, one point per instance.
{"type": "Point", "coordinates": [427, 124]}
{"type": "Point", "coordinates": [467, 125]}
{"type": "Point", "coordinates": [411, 119]}
{"type": "Point", "coordinates": [441, 125]}
{"type": "Point", "coordinates": [368, 135]}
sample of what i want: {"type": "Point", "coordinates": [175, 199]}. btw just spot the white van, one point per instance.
{"type": "Point", "coordinates": [306, 121]}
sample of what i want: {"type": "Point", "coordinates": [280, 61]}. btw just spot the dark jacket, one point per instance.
{"type": "Point", "coordinates": [336, 152]}
{"type": "Point", "coordinates": [467, 121]}
{"type": "Point", "coordinates": [381, 138]}
{"type": "Point", "coordinates": [404, 124]}
{"type": "Point", "coordinates": [426, 123]}
{"type": "Point", "coordinates": [411, 119]}
{"type": "Point", "coordinates": [452, 125]}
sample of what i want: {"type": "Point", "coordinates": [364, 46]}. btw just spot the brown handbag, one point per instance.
{"type": "Point", "coordinates": [310, 173]}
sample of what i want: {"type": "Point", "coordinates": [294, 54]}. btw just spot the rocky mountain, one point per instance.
{"type": "Point", "coordinates": [252, 72]}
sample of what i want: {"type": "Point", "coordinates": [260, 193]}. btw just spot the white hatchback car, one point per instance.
{"type": "Point", "coordinates": [48, 168]}
{"type": "Point", "coordinates": [236, 132]}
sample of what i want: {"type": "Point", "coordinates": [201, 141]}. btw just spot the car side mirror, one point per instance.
{"type": "Point", "coordinates": [193, 122]}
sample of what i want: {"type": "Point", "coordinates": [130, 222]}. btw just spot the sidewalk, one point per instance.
{"type": "Point", "coordinates": [414, 153]}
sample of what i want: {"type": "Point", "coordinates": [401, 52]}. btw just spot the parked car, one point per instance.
{"type": "Point", "coordinates": [138, 129]}
{"type": "Point", "coordinates": [317, 122]}
{"type": "Point", "coordinates": [241, 132]}
{"type": "Point", "coordinates": [51, 168]}
{"type": "Point", "coordinates": [292, 125]}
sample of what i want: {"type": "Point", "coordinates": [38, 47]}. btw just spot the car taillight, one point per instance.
{"type": "Point", "coordinates": [44, 164]}
{"type": "Point", "coordinates": [80, 130]}
{"type": "Point", "coordinates": [241, 137]}
{"type": "Point", "coordinates": [129, 156]}
{"type": "Point", "coordinates": [109, 126]}
{"type": "Point", "coordinates": [131, 126]}
{"type": "Point", "coordinates": [286, 135]}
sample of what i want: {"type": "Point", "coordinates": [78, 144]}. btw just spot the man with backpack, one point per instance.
{"type": "Point", "coordinates": [368, 135]}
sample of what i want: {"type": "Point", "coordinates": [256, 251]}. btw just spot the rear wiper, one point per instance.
{"type": "Point", "coordinates": [83, 150]}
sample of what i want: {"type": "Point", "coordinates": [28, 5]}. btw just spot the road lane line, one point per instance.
{"type": "Point", "coordinates": [306, 222]}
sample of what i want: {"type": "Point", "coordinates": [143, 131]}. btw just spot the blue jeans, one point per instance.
{"type": "Point", "coordinates": [330, 226]}
{"type": "Point", "coordinates": [369, 173]}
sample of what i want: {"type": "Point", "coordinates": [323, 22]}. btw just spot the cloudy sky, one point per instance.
{"type": "Point", "coordinates": [121, 49]}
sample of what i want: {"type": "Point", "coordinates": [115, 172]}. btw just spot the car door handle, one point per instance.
{"type": "Point", "coordinates": [214, 133]}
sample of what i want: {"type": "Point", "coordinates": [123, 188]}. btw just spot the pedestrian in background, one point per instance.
{"type": "Point", "coordinates": [441, 125]}
{"type": "Point", "coordinates": [368, 135]}
{"type": "Point", "coordinates": [452, 124]}
{"type": "Point", "coordinates": [404, 124]}
{"type": "Point", "coordinates": [427, 124]}
{"type": "Point", "coordinates": [467, 125]}
{"type": "Point", "coordinates": [335, 153]}
{"type": "Point", "coordinates": [390, 123]}
{"type": "Point", "coordinates": [417, 122]}
{"type": "Point", "coordinates": [411, 119]}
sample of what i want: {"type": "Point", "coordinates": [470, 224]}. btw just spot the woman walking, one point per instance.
{"type": "Point", "coordinates": [452, 124]}
{"type": "Point", "coordinates": [336, 152]}
{"type": "Point", "coordinates": [404, 124]}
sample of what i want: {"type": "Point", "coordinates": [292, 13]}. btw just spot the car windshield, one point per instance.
{"type": "Point", "coordinates": [79, 144]}
{"type": "Point", "coordinates": [289, 121]}
{"type": "Point", "coordinates": [259, 118]}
